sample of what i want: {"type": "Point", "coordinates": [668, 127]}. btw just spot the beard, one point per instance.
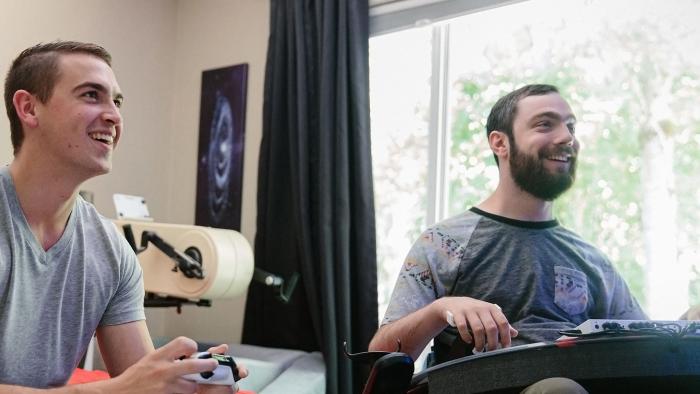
{"type": "Point", "coordinates": [530, 174]}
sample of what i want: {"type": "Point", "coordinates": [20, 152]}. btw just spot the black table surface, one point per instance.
{"type": "Point", "coordinates": [647, 364]}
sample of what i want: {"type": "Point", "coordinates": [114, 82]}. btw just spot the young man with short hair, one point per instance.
{"type": "Point", "coordinates": [65, 271]}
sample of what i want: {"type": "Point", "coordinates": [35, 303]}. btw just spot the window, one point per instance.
{"type": "Point", "coordinates": [630, 70]}
{"type": "Point", "coordinates": [400, 96]}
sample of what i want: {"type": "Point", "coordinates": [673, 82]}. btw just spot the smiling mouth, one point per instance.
{"type": "Point", "coordinates": [560, 158]}
{"type": "Point", "coordinates": [105, 138]}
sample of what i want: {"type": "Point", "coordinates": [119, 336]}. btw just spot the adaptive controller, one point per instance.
{"type": "Point", "coordinates": [226, 373]}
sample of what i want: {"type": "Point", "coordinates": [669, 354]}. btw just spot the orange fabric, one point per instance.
{"type": "Point", "coordinates": [83, 376]}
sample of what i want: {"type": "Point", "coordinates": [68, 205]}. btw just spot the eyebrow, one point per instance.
{"type": "Point", "coordinates": [99, 87]}
{"type": "Point", "coordinates": [553, 115]}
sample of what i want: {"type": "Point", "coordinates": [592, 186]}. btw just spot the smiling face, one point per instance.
{"type": "Point", "coordinates": [543, 146]}
{"type": "Point", "coordinates": [79, 126]}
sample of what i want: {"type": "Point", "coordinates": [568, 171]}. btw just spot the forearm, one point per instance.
{"type": "Point", "coordinates": [123, 345]}
{"type": "Point", "coordinates": [414, 331]}
{"type": "Point", "coordinates": [105, 386]}
{"type": "Point", "coordinates": [7, 389]}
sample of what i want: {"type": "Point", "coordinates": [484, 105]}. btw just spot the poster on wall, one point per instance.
{"type": "Point", "coordinates": [221, 140]}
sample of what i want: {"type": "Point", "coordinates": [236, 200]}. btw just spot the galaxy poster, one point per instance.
{"type": "Point", "coordinates": [221, 141]}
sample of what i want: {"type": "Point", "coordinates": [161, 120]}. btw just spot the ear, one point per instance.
{"type": "Point", "coordinates": [25, 106]}
{"type": "Point", "coordinates": [500, 145]}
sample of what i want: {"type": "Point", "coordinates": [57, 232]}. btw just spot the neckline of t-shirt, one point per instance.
{"type": "Point", "coordinates": [515, 222]}
{"type": "Point", "coordinates": [18, 213]}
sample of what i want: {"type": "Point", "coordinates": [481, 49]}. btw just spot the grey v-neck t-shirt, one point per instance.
{"type": "Point", "coordinates": [52, 301]}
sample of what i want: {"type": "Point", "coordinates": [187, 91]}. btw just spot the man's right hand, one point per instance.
{"type": "Point", "coordinates": [161, 371]}
{"type": "Point", "coordinates": [478, 322]}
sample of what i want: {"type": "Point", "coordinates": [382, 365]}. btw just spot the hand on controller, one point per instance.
{"type": "Point", "coordinates": [160, 371]}
{"type": "Point", "coordinates": [480, 323]}
{"type": "Point", "coordinates": [226, 373]}
{"type": "Point", "coordinates": [207, 385]}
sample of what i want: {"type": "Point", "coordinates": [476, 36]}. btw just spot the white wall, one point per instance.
{"type": "Point", "coordinates": [212, 34]}
{"type": "Point", "coordinates": [141, 54]}
{"type": "Point", "coordinates": [160, 48]}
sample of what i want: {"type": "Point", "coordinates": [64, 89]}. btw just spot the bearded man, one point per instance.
{"type": "Point", "coordinates": [506, 272]}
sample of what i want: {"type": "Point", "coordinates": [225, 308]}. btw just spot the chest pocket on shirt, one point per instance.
{"type": "Point", "coordinates": [570, 290]}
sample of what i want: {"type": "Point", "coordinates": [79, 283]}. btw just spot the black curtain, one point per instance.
{"type": "Point", "coordinates": [315, 197]}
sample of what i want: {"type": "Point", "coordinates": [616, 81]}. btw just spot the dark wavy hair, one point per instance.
{"type": "Point", "coordinates": [504, 111]}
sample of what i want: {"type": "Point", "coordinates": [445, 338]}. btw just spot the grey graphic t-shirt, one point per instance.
{"type": "Point", "coordinates": [543, 276]}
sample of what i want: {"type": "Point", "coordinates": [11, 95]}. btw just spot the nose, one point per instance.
{"type": "Point", "coordinates": [565, 136]}
{"type": "Point", "coordinates": [112, 115]}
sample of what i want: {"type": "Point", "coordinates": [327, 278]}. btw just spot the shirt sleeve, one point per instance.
{"type": "Point", "coordinates": [127, 303]}
{"type": "Point", "coordinates": [432, 260]}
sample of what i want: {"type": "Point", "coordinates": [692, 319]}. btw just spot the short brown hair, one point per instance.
{"type": "Point", "coordinates": [36, 71]}
{"type": "Point", "coordinates": [503, 112]}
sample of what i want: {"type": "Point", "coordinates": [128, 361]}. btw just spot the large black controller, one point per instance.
{"type": "Point", "coordinates": [226, 373]}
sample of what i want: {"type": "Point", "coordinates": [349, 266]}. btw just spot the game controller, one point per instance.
{"type": "Point", "coordinates": [226, 373]}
